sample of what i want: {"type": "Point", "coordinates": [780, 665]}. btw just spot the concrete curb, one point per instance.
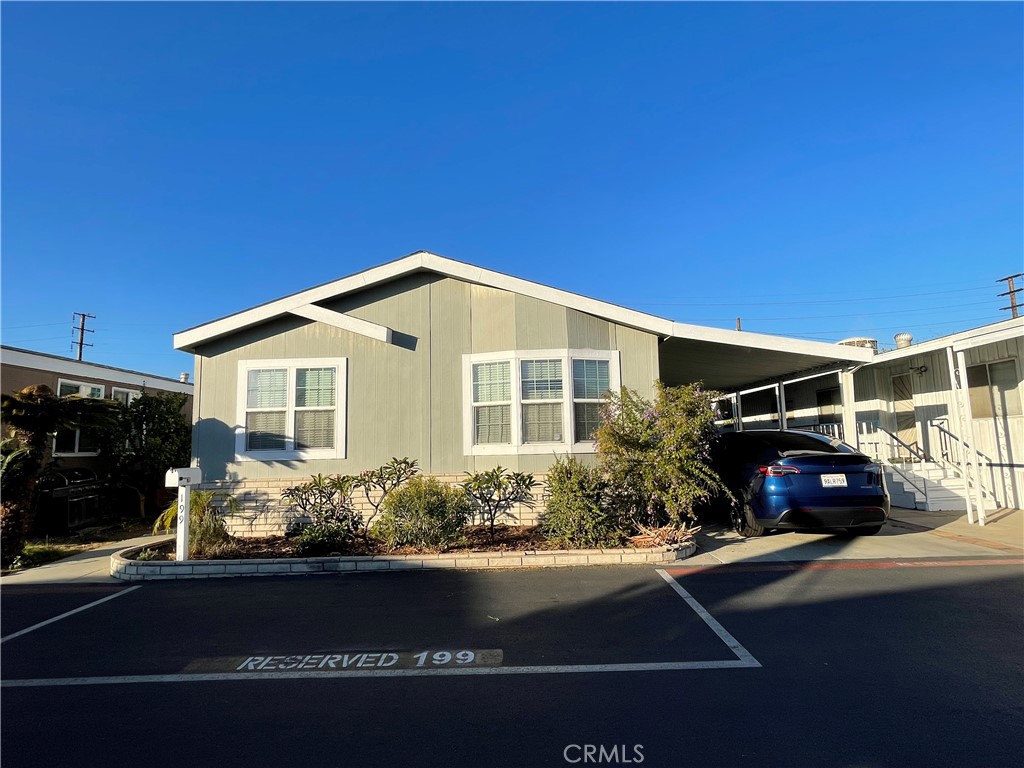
{"type": "Point", "coordinates": [124, 568]}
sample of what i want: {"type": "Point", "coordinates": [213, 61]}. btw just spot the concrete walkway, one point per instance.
{"type": "Point", "coordinates": [910, 534]}
{"type": "Point", "coordinates": [89, 567]}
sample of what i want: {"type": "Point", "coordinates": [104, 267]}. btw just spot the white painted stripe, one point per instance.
{"type": "Point", "coordinates": [435, 672]}
{"type": "Point", "coordinates": [741, 653]}
{"type": "Point", "coordinates": [34, 627]}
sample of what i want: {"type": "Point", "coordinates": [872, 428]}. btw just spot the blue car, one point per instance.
{"type": "Point", "coordinates": [789, 479]}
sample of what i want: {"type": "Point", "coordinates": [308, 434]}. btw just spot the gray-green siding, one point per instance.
{"type": "Point", "coordinates": [404, 398]}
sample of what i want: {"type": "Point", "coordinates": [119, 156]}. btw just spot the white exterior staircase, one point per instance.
{"type": "Point", "coordinates": [929, 486]}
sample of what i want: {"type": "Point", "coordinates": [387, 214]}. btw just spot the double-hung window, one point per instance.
{"type": "Point", "coordinates": [291, 409]}
{"type": "Point", "coordinates": [535, 401]}
{"type": "Point", "coordinates": [76, 442]}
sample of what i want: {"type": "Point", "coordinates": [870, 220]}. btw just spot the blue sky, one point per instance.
{"type": "Point", "coordinates": [800, 165]}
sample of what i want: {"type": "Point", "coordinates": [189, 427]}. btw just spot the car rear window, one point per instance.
{"type": "Point", "coordinates": [785, 442]}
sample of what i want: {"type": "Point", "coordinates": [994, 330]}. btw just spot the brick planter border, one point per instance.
{"type": "Point", "coordinates": [126, 569]}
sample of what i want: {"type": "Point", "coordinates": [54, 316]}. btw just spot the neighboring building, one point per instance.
{"type": "Point", "coordinates": [20, 368]}
{"type": "Point", "coordinates": [458, 367]}
{"type": "Point", "coordinates": [73, 488]}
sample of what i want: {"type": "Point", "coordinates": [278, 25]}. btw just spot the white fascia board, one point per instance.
{"type": "Point", "coordinates": [78, 369]}
{"type": "Point", "coordinates": [838, 352]}
{"type": "Point", "coordinates": [1004, 330]}
{"type": "Point", "coordinates": [345, 322]}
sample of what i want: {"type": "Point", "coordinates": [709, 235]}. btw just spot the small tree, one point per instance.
{"type": "Point", "coordinates": [496, 491]}
{"type": "Point", "coordinates": [377, 484]}
{"type": "Point", "coordinates": [655, 456]}
{"type": "Point", "coordinates": [327, 502]}
{"type": "Point", "coordinates": [148, 436]}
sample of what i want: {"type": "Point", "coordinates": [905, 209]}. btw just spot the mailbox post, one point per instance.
{"type": "Point", "coordinates": [183, 478]}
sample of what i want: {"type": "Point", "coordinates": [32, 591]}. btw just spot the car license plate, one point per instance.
{"type": "Point", "coordinates": [833, 481]}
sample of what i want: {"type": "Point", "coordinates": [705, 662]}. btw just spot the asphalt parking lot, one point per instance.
{"type": "Point", "coordinates": [762, 662]}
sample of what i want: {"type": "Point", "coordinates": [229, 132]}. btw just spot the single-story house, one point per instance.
{"type": "Point", "coordinates": [459, 367]}
{"type": "Point", "coordinates": [464, 368]}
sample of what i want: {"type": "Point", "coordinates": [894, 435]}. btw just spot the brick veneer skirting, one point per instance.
{"type": "Point", "coordinates": [263, 514]}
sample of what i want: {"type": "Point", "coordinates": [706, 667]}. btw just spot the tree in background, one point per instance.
{"type": "Point", "coordinates": [149, 436]}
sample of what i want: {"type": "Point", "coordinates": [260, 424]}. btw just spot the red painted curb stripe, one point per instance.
{"type": "Point", "coordinates": [845, 566]}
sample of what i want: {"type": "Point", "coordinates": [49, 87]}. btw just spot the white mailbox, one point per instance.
{"type": "Point", "coordinates": [185, 476]}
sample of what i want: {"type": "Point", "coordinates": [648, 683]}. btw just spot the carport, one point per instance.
{"type": "Point", "coordinates": [738, 363]}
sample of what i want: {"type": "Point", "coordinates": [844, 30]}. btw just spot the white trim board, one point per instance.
{"type": "Point", "coordinates": [188, 340]}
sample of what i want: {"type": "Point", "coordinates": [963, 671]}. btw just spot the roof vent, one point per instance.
{"type": "Point", "coordinates": [860, 341]}
{"type": "Point", "coordinates": [903, 340]}
{"type": "Point", "coordinates": [183, 378]}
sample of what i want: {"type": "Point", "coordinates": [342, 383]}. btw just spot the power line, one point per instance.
{"type": "Point", "coordinates": [858, 314]}
{"type": "Point", "coordinates": [747, 299]}
{"type": "Point", "coordinates": [40, 325]}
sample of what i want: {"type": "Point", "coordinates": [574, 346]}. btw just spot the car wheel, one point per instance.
{"type": "Point", "coordinates": [744, 523]}
{"type": "Point", "coordinates": [868, 530]}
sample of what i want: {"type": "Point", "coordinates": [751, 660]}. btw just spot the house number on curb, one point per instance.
{"type": "Point", "coordinates": [379, 660]}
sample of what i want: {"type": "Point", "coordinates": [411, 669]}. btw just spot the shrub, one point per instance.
{"type": "Point", "coordinates": [496, 491]}
{"type": "Point", "coordinates": [207, 533]}
{"type": "Point", "coordinates": [575, 517]}
{"type": "Point", "coordinates": [655, 456]}
{"type": "Point", "coordinates": [423, 513]}
{"type": "Point", "coordinates": [377, 484]}
{"type": "Point", "coordinates": [333, 521]}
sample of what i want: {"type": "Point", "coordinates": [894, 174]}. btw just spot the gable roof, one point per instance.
{"type": "Point", "coordinates": [792, 354]}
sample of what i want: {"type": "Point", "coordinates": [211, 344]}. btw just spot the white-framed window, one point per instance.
{"type": "Point", "coordinates": [993, 389]}
{"type": "Point", "coordinates": [124, 396]}
{"type": "Point", "coordinates": [535, 401]}
{"type": "Point", "coordinates": [291, 409]}
{"type": "Point", "coordinates": [76, 442]}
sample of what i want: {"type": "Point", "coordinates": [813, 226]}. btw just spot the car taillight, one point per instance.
{"type": "Point", "coordinates": [778, 471]}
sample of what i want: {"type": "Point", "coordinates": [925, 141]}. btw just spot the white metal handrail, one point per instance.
{"type": "Point", "coordinates": [950, 444]}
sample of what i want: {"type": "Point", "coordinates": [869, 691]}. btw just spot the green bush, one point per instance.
{"type": "Point", "coordinates": [333, 521]}
{"type": "Point", "coordinates": [655, 455]}
{"type": "Point", "coordinates": [575, 516]}
{"type": "Point", "coordinates": [423, 513]}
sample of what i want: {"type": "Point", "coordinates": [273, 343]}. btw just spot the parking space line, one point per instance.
{"type": "Point", "coordinates": [842, 565]}
{"type": "Point", "coordinates": [741, 653]}
{"type": "Point", "coordinates": [93, 604]}
{"type": "Point", "coordinates": [667, 666]}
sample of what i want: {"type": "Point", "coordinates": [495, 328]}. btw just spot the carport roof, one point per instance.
{"type": "Point", "coordinates": [722, 359]}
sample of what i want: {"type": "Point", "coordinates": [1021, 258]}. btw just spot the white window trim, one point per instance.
{"type": "Point", "coordinates": [340, 400]}
{"type": "Point", "coordinates": [133, 394]}
{"type": "Point", "coordinates": [78, 433]}
{"type": "Point", "coordinates": [517, 447]}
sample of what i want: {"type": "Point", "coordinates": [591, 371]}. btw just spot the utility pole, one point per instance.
{"type": "Point", "coordinates": [1012, 293]}
{"type": "Point", "coordinates": [82, 330]}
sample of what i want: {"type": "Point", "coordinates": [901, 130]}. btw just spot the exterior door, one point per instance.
{"type": "Point", "coordinates": [903, 410]}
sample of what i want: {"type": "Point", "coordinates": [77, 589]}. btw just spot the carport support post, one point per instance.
{"type": "Point", "coordinates": [780, 396]}
{"type": "Point", "coordinates": [184, 478]}
{"type": "Point", "coordinates": [737, 412]}
{"type": "Point", "coordinates": [974, 463]}
{"type": "Point", "coordinates": [957, 388]}
{"type": "Point", "coordinates": [850, 435]}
